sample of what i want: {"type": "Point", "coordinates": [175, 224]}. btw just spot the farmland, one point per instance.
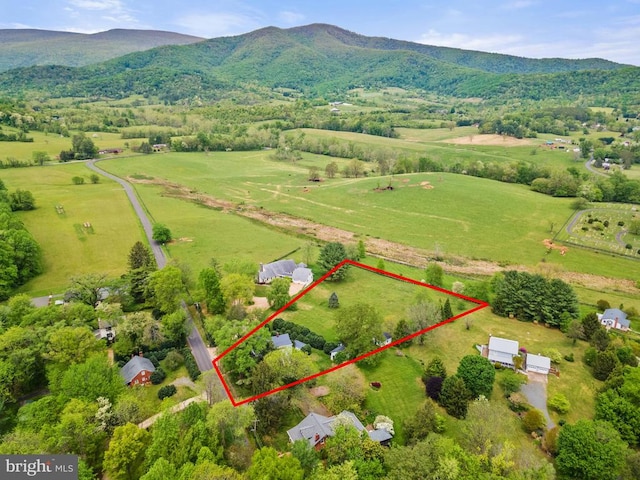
{"type": "Point", "coordinates": [466, 216]}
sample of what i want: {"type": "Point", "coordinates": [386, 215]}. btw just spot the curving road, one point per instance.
{"type": "Point", "coordinates": [194, 339]}
{"type": "Point", "coordinates": [161, 259]}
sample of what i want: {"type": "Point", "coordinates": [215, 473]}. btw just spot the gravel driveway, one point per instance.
{"type": "Point", "coordinates": [536, 393]}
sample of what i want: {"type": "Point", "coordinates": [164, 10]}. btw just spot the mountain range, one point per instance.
{"type": "Point", "coordinates": [323, 59]}
{"type": "Point", "coordinates": [29, 47]}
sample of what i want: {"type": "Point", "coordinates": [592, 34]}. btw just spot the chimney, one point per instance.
{"type": "Point", "coordinates": [317, 437]}
{"type": "Point", "coordinates": [140, 353]}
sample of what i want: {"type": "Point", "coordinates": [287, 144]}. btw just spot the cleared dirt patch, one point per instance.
{"type": "Point", "coordinates": [490, 139]}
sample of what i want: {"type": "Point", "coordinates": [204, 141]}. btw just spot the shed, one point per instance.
{"type": "Point", "coordinates": [538, 363]}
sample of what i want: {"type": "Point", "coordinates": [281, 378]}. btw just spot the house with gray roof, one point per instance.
{"type": "Point", "coordinates": [315, 428]}
{"type": "Point", "coordinates": [137, 371]}
{"type": "Point", "coordinates": [336, 351]}
{"type": "Point", "coordinates": [283, 340]}
{"type": "Point", "coordinates": [537, 363]}
{"type": "Point", "coordinates": [298, 273]}
{"type": "Point", "coordinates": [615, 318]}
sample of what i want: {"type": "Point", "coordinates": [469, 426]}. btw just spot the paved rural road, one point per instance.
{"type": "Point", "coordinates": [593, 169]}
{"type": "Point", "coordinates": [196, 344]}
{"type": "Point", "coordinates": [161, 259]}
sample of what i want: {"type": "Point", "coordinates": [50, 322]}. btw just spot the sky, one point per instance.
{"type": "Point", "coordinates": [532, 28]}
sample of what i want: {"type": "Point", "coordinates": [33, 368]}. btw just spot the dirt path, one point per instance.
{"type": "Point", "coordinates": [176, 408]}
{"type": "Point", "coordinates": [385, 249]}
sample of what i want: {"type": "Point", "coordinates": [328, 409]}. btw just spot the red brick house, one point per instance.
{"type": "Point", "coordinates": [137, 371]}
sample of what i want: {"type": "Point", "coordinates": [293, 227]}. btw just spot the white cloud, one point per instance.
{"type": "Point", "coordinates": [487, 43]}
{"type": "Point", "coordinates": [114, 5]}
{"type": "Point", "coordinates": [216, 24]}
{"type": "Point", "coordinates": [518, 4]}
{"type": "Point", "coordinates": [291, 18]}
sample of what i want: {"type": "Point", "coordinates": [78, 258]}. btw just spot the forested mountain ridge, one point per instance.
{"type": "Point", "coordinates": [323, 59]}
{"type": "Point", "coordinates": [29, 47]}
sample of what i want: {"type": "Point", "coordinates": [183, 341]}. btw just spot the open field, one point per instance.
{"type": "Point", "coordinates": [431, 143]}
{"type": "Point", "coordinates": [53, 144]}
{"type": "Point", "coordinates": [68, 246]}
{"type": "Point", "coordinates": [477, 218]}
{"type": "Point", "coordinates": [389, 296]}
{"type": "Point", "coordinates": [202, 234]}
{"type": "Point", "coordinates": [501, 140]}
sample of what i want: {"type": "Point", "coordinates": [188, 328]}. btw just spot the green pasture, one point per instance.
{"type": "Point", "coordinates": [201, 233]}
{"type": "Point", "coordinates": [430, 143]}
{"type": "Point", "coordinates": [468, 216]}
{"type": "Point", "coordinates": [70, 248]}
{"type": "Point", "coordinates": [53, 144]}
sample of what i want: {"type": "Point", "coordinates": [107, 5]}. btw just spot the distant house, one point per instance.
{"type": "Point", "coordinates": [137, 371]}
{"type": "Point", "coordinates": [615, 318]}
{"type": "Point", "coordinates": [298, 273]}
{"type": "Point", "coordinates": [114, 151]}
{"type": "Point", "coordinates": [316, 428]}
{"type": "Point", "coordinates": [105, 331]}
{"type": "Point", "coordinates": [502, 351]}
{"type": "Point", "coordinates": [386, 339]}
{"type": "Point", "coordinates": [336, 351]}
{"type": "Point", "coordinates": [537, 363]}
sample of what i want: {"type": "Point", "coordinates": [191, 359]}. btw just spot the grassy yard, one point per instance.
{"type": "Point", "coordinates": [69, 247]}
{"type": "Point", "coordinates": [389, 296]}
{"type": "Point", "coordinates": [401, 393]}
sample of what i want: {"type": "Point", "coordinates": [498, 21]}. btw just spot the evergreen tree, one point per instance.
{"type": "Point", "coordinates": [590, 324]}
{"type": "Point", "coordinates": [333, 301]}
{"type": "Point", "coordinates": [455, 396]}
{"type": "Point", "coordinates": [446, 310]}
{"type": "Point", "coordinates": [141, 264]}
{"type": "Point", "coordinates": [331, 255]}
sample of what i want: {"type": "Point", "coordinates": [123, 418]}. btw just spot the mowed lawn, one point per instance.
{"type": "Point", "coordinates": [453, 341]}
{"type": "Point", "coordinates": [389, 296]}
{"type": "Point", "coordinates": [70, 248]}
{"type": "Point", "coordinates": [462, 215]}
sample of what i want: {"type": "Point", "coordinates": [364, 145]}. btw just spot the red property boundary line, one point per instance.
{"type": "Point", "coordinates": [480, 305]}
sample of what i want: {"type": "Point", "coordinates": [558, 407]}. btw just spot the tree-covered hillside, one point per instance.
{"type": "Point", "coordinates": [324, 60]}
{"type": "Point", "coordinates": [29, 47]}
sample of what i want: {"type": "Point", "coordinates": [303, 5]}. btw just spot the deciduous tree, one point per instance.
{"type": "Point", "coordinates": [590, 450]}
{"type": "Point", "coordinates": [357, 326]}
{"type": "Point", "coordinates": [278, 294]}
{"type": "Point", "coordinates": [267, 465]}
{"type": "Point", "coordinates": [161, 233]}
{"type": "Point", "coordinates": [478, 375]}
{"type": "Point", "coordinates": [124, 458]}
